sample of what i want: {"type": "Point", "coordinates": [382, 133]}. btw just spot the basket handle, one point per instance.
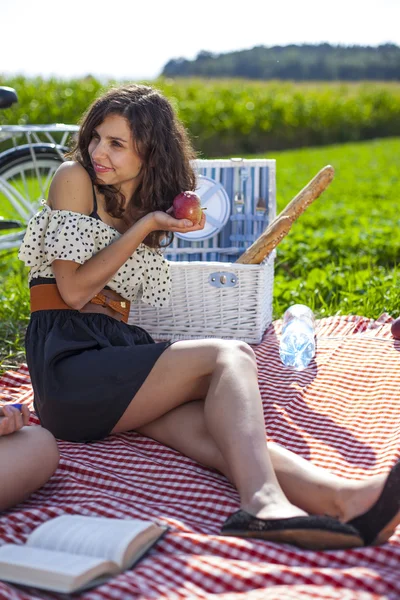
{"type": "Point", "coordinates": [281, 225]}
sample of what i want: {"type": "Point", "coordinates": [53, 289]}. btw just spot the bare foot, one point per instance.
{"type": "Point", "coordinates": [270, 503]}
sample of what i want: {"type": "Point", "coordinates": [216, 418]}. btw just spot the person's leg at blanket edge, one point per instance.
{"type": "Point", "coordinates": [28, 456]}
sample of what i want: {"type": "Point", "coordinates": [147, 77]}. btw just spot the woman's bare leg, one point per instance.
{"type": "Point", "coordinates": [318, 491]}
{"type": "Point", "coordinates": [225, 374]}
{"type": "Point", "coordinates": [28, 458]}
{"type": "Point", "coordinates": [315, 490]}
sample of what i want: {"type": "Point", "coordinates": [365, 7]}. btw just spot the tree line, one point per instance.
{"type": "Point", "coordinates": [322, 62]}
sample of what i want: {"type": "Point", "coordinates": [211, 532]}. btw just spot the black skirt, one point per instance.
{"type": "Point", "coordinates": [85, 370]}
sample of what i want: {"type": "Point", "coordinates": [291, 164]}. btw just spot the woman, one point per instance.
{"type": "Point", "coordinates": [94, 248]}
{"type": "Point", "coordinates": [30, 455]}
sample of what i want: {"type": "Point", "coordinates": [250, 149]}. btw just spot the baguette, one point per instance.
{"type": "Point", "coordinates": [281, 225]}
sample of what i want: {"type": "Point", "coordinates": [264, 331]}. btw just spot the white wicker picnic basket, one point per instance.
{"type": "Point", "coordinates": [212, 296]}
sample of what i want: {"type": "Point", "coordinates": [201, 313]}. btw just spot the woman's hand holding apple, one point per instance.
{"type": "Point", "coordinates": [166, 222]}
{"type": "Point", "coordinates": [185, 215]}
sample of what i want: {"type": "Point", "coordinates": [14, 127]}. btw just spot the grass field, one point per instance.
{"type": "Point", "coordinates": [340, 257]}
{"type": "Point", "coordinates": [234, 116]}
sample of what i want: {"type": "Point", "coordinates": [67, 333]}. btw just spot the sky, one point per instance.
{"type": "Point", "coordinates": [131, 40]}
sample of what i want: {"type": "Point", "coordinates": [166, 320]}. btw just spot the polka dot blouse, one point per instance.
{"type": "Point", "coordinates": [67, 235]}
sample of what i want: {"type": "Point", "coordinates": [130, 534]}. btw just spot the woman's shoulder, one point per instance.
{"type": "Point", "coordinates": [71, 189]}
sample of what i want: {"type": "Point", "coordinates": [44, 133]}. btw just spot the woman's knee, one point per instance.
{"type": "Point", "coordinates": [42, 448]}
{"type": "Point", "coordinates": [202, 357]}
{"type": "Point", "coordinates": [236, 351]}
{"type": "Point", "coordinates": [35, 457]}
{"type": "Point", "coordinates": [244, 348]}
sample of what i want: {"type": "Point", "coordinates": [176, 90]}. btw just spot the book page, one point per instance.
{"type": "Point", "coordinates": [49, 569]}
{"type": "Point", "coordinates": [93, 536]}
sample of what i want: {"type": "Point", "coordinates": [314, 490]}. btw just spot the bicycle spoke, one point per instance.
{"type": "Point", "coordinates": [47, 176]}
{"type": "Point", "coordinates": [24, 184]}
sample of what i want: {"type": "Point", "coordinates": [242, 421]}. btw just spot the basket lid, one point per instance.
{"type": "Point", "coordinates": [214, 197]}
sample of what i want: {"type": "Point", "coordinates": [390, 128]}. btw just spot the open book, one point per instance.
{"type": "Point", "coordinates": [74, 552]}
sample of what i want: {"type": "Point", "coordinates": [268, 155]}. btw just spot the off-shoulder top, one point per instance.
{"type": "Point", "coordinates": [67, 235]}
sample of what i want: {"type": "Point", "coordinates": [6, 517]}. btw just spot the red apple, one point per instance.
{"type": "Point", "coordinates": [187, 205]}
{"type": "Point", "coordinates": [395, 328]}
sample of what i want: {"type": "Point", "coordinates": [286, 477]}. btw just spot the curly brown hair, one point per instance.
{"type": "Point", "coordinates": [162, 144]}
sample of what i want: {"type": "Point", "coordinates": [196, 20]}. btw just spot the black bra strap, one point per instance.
{"type": "Point", "coordinates": [94, 202]}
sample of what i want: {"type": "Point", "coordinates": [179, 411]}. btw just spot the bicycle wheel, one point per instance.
{"type": "Point", "coordinates": [25, 176]}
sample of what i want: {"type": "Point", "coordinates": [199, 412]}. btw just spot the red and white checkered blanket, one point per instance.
{"type": "Point", "coordinates": [342, 413]}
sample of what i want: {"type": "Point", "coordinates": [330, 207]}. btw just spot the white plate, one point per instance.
{"type": "Point", "coordinates": [213, 196]}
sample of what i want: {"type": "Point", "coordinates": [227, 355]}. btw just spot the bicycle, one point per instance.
{"type": "Point", "coordinates": [29, 157]}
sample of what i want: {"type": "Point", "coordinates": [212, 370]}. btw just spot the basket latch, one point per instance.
{"type": "Point", "coordinates": [223, 279]}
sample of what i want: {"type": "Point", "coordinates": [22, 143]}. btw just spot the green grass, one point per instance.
{"type": "Point", "coordinates": [340, 257]}
{"type": "Point", "coordinates": [14, 310]}
{"type": "Point", "coordinates": [234, 116]}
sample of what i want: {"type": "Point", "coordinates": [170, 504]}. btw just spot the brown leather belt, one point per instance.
{"type": "Point", "coordinates": [47, 297]}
